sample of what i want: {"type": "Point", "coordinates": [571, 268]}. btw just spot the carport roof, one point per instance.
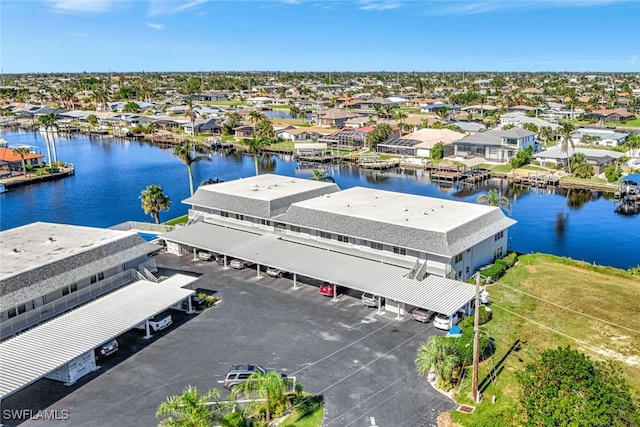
{"type": "Point", "coordinates": [433, 293]}
{"type": "Point", "coordinates": [39, 351]}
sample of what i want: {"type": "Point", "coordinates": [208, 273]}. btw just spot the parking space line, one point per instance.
{"type": "Point", "coordinates": [371, 397]}
{"type": "Point", "coordinates": [374, 360]}
{"type": "Point", "coordinates": [339, 350]}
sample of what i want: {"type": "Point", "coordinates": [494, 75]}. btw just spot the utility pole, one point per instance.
{"type": "Point", "coordinates": [476, 343]}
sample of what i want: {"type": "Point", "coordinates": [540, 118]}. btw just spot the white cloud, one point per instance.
{"type": "Point", "coordinates": [378, 5]}
{"type": "Point", "coordinates": [472, 7]}
{"type": "Point", "coordinates": [169, 7]}
{"type": "Point", "coordinates": [158, 27]}
{"type": "Point", "coordinates": [81, 6]}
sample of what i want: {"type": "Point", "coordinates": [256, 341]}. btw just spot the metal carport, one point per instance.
{"type": "Point", "coordinates": [434, 293]}
{"type": "Point", "coordinates": [41, 350]}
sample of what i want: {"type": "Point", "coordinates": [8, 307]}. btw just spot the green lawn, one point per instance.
{"type": "Point", "coordinates": [179, 220]}
{"type": "Point", "coordinates": [308, 413]}
{"type": "Point", "coordinates": [632, 123]}
{"type": "Point", "coordinates": [602, 292]}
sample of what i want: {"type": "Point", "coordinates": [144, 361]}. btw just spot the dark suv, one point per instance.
{"type": "Point", "coordinates": [238, 374]}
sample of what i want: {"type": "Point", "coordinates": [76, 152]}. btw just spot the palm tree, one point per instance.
{"type": "Point", "coordinates": [255, 146]}
{"type": "Point", "coordinates": [377, 108]}
{"type": "Point", "coordinates": [270, 386]}
{"type": "Point", "coordinates": [255, 116]}
{"type": "Point", "coordinates": [294, 111]}
{"type": "Point", "coordinates": [22, 152]}
{"type": "Point", "coordinates": [439, 355]}
{"type": "Point", "coordinates": [93, 122]}
{"type": "Point", "coordinates": [153, 201]}
{"type": "Point", "coordinates": [494, 199]}
{"type": "Point", "coordinates": [101, 97]}
{"type": "Point", "coordinates": [48, 121]}
{"type": "Point", "coordinates": [565, 132]}
{"type": "Point", "coordinates": [186, 153]}
{"type": "Point", "coordinates": [319, 175]}
{"type": "Point", "coordinates": [189, 409]}
{"type": "Point", "coordinates": [191, 114]}
{"type": "Point", "coordinates": [400, 115]}
{"type": "Point", "coordinates": [388, 110]}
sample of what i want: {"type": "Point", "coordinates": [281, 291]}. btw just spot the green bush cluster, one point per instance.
{"type": "Point", "coordinates": [500, 266]}
{"type": "Point", "coordinates": [484, 316]}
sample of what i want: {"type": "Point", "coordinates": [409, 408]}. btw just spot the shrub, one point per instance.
{"type": "Point", "coordinates": [500, 267]}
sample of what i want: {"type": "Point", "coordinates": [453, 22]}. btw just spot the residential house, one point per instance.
{"type": "Point", "coordinates": [605, 137]}
{"type": "Point", "coordinates": [495, 145]}
{"type": "Point", "coordinates": [243, 131]}
{"type": "Point", "coordinates": [518, 118]}
{"type": "Point", "coordinates": [10, 161]}
{"type": "Point", "coordinates": [420, 142]}
{"type": "Point", "coordinates": [600, 159]}
{"type": "Point", "coordinates": [206, 126]}
{"type": "Point", "coordinates": [210, 96]}
{"type": "Point", "coordinates": [303, 133]}
{"type": "Point", "coordinates": [334, 117]}
{"type": "Point", "coordinates": [610, 115]}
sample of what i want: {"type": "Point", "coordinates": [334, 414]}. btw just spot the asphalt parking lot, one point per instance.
{"type": "Point", "coordinates": [360, 361]}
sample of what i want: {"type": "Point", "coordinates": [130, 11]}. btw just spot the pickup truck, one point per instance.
{"type": "Point", "coordinates": [157, 323]}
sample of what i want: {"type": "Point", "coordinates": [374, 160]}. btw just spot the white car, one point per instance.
{"type": "Point", "coordinates": [276, 272]}
{"type": "Point", "coordinates": [239, 264]}
{"type": "Point", "coordinates": [445, 322]}
{"type": "Point", "coordinates": [371, 300]}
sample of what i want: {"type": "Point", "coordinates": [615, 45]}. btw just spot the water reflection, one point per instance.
{"type": "Point", "coordinates": [561, 224]}
{"type": "Point", "coordinates": [577, 198]}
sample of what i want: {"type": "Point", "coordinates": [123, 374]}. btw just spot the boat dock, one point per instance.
{"type": "Point", "coordinates": [535, 180]}
{"type": "Point", "coordinates": [32, 178]}
{"type": "Point", "coordinates": [628, 197]}
{"type": "Point", "coordinates": [468, 176]}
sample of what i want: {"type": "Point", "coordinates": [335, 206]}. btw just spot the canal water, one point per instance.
{"type": "Point", "coordinates": [110, 174]}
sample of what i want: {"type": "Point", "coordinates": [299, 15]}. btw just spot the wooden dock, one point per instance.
{"type": "Point", "coordinates": [32, 178]}
{"type": "Point", "coordinates": [470, 176]}
{"type": "Point", "coordinates": [380, 164]}
{"type": "Point", "coordinates": [535, 180]}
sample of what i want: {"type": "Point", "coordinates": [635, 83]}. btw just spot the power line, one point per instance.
{"type": "Point", "coordinates": [572, 310]}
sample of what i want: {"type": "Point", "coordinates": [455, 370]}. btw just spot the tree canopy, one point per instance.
{"type": "Point", "coordinates": [566, 388]}
{"type": "Point", "coordinates": [378, 135]}
{"type": "Point", "coordinates": [154, 200]}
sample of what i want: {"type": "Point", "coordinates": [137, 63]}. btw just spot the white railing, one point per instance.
{"type": "Point", "coordinates": [33, 317]}
{"type": "Point", "coordinates": [143, 226]}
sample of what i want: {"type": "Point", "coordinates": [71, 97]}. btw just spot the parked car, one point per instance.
{"type": "Point", "coordinates": [422, 315]}
{"type": "Point", "coordinates": [106, 349]}
{"type": "Point", "coordinates": [157, 323]}
{"type": "Point", "coordinates": [326, 289]}
{"type": "Point", "coordinates": [371, 300]}
{"type": "Point", "coordinates": [238, 374]}
{"type": "Point", "coordinates": [445, 322]}
{"type": "Point", "coordinates": [276, 272]}
{"type": "Point", "coordinates": [239, 264]}
{"type": "Point", "coordinates": [206, 256]}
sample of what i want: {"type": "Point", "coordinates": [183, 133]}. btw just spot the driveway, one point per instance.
{"type": "Point", "coordinates": [360, 361]}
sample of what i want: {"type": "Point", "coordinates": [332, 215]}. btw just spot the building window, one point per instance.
{"type": "Point", "coordinates": [101, 276]}
{"type": "Point", "coordinates": [240, 217]}
{"type": "Point", "coordinates": [22, 308]}
{"type": "Point", "coordinates": [94, 279]}
{"type": "Point", "coordinates": [73, 288]}
{"type": "Point", "coordinates": [343, 239]}
{"type": "Point", "coordinates": [65, 291]}
{"type": "Point", "coordinates": [11, 313]}
{"type": "Point", "coordinates": [497, 253]}
{"type": "Point", "coordinates": [457, 258]}
{"type": "Point", "coordinates": [401, 251]}
{"type": "Point", "coordinates": [376, 245]}
{"type": "Point", "coordinates": [224, 214]}
{"type": "Point", "coordinates": [499, 236]}
{"type": "Point", "coordinates": [325, 235]}
{"type": "Point", "coordinates": [295, 228]}
{"type": "Point", "coordinates": [265, 222]}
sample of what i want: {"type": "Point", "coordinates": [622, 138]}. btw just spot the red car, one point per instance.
{"type": "Point", "coordinates": [326, 289]}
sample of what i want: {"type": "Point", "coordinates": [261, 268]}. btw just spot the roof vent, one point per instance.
{"type": "Point", "coordinates": [16, 251]}
{"type": "Point", "coordinates": [405, 210]}
{"type": "Point", "coordinates": [51, 240]}
{"type": "Point", "coordinates": [348, 206]}
{"type": "Point", "coordinates": [268, 187]}
{"type": "Point", "coordinates": [327, 196]}
{"type": "Point", "coordinates": [256, 185]}
{"type": "Point", "coordinates": [423, 212]}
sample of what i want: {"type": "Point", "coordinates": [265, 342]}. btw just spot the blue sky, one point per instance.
{"type": "Point", "coordinates": [319, 35]}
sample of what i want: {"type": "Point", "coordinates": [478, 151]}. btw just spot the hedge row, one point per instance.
{"type": "Point", "coordinates": [500, 267]}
